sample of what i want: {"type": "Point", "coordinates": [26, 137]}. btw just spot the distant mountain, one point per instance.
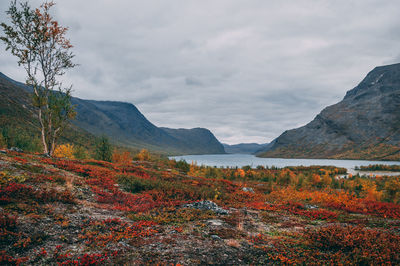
{"type": "Point", "coordinates": [244, 148]}
{"type": "Point", "coordinates": [123, 123]}
{"type": "Point", "coordinates": [364, 125]}
{"type": "Point", "coordinates": [200, 140]}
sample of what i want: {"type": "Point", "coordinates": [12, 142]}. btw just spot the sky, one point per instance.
{"type": "Point", "coordinates": [246, 69]}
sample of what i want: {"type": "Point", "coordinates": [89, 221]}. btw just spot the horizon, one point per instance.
{"type": "Point", "coordinates": [247, 72]}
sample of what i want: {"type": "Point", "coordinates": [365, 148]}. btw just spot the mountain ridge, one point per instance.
{"type": "Point", "coordinates": [126, 125]}
{"type": "Point", "coordinates": [363, 125]}
{"type": "Point", "coordinates": [244, 148]}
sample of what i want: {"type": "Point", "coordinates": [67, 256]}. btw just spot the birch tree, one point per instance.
{"type": "Point", "coordinates": [42, 49]}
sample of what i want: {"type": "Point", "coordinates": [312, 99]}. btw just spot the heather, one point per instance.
{"type": "Point", "coordinates": [159, 211]}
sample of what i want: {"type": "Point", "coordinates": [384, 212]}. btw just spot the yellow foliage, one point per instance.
{"type": "Point", "coordinates": [240, 173]}
{"type": "Point", "coordinates": [64, 151]}
{"type": "Point", "coordinates": [6, 178]}
{"type": "Point", "coordinates": [121, 157]}
{"type": "Point", "coordinates": [194, 170]}
{"type": "Point", "coordinates": [369, 190]}
{"type": "Point", "coordinates": [144, 155]}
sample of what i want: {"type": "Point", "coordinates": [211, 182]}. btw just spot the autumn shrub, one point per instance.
{"type": "Point", "coordinates": [14, 192]}
{"type": "Point", "coordinates": [64, 151]}
{"type": "Point", "coordinates": [331, 244]}
{"type": "Point", "coordinates": [143, 155]}
{"type": "Point", "coordinates": [172, 215]}
{"type": "Point", "coordinates": [183, 166]}
{"type": "Point", "coordinates": [8, 225]}
{"type": "Point", "coordinates": [100, 233]}
{"type": "Point", "coordinates": [7, 222]}
{"type": "Point", "coordinates": [6, 177]}
{"type": "Point", "coordinates": [170, 190]}
{"type": "Point", "coordinates": [121, 157]}
{"type": "Point", "coordinates": [135, 184]}
{"type": "Point", "coordinates": [6, 259]}
{"type": "Point", "coordinates": [356, 244]}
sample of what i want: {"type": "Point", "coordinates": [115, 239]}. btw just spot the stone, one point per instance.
{"type": "Point", "coordinates": [16, 149]}
{"type": "Point", "coordinates": [206, 205]}
{"type": "Point", "coordinates": [248, 189]}
{"type": "Point", "coordinates": [215, 222]}
{"type": "Point", "coordinates": [311, 207]}
{"type": "Point", "coordinates": [215, 237]}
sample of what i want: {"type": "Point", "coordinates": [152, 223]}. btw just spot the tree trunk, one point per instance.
{"type": "Point", "coordinates": [53, 142]}
{"type": "Point", "coordinates": [45, 147]}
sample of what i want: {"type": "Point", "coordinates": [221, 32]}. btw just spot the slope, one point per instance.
{"type": "Point", "coordinates": [120, 121]}
{"type": "Point", "coordinates": [364, 125]}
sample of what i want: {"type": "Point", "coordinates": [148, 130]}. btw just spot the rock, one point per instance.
{"type": "Point", "coordinates": [248, 189]}
{"type": "Point", "coordinates": [16, 149]}
{"type": "Point", "coordinates": [311, 207]}
{"type": "Point", "coordinates": [206, 205]}
{"type": "Point", "coordinates": [215, 222]}
{"type": "Point", "coordinates": [215, 237]}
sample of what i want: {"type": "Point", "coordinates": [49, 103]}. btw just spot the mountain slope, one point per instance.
{"type": "Point", "coordinates": [244, 148]}
{"type": "Point", "coordinates": [19, 123]}
{"type": "Point", "coordinates": [122, 122]}
{"type": "Point", "coordinates": [200, 140]}
{"type": "Point", "coordinates": [364, 125]}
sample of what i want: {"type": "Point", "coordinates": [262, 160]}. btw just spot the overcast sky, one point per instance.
{"type": "Point", "coordinates": [245, 69]}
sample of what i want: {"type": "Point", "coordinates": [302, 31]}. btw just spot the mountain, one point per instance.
{"type": "Point", "coordinates": [200, 140]}
{"type": "Point", "coordinates": [18, 121]}
{"type": "Point", "coordinates": [244, 148]}
{"type": "Point", "coordinates": [364, 125]}
{"type": "Point", "coordinates": [122, 122]}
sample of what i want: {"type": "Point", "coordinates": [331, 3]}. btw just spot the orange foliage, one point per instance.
{"type": "Point", "coordinates": [121, 157]}
{"type": "Point", "coordinates": [240, 173]}
{"type": "Point", "coordinates": [144, 155]}
{"type": "Point", "coordinates": [64, 151]}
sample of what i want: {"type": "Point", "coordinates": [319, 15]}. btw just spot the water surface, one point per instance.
{"type": "Point", "coordinates": [240, 160]}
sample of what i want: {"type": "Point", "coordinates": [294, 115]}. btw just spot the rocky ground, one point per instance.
{"type": "Point", "coordinates": [81, 213]}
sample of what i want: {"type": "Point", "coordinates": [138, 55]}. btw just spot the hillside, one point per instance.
{"type": "Point", "coordinates": [18, 122]}
{"type": "Point", "coordinates": [122, 122]}
{"type": "Point", "coordinates": [200, 140]}
{"type": "Point", "coordinates": [244, 148]}
{"type": "Point", "coordinates": [364, 125]}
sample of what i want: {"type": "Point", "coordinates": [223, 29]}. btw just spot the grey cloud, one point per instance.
{"type": "Point", "coordinates": [245, 70]}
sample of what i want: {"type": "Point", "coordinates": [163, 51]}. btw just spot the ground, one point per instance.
{"type": "Point", "coordinates": [71, 212]}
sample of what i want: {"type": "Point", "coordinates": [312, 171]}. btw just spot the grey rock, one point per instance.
{"type": "Point", "coordinates": [215, 222]}
{"type": "Point", "coordinates": [311, 207]}
{"type": "Point", "coordinates": [248, 189]}
{"type": "Point", "coordinates": [215, 237]}
{"type": "Point", "coordinates": [16, 149]}
{"type": "Point", "coordinates": [206, 205]}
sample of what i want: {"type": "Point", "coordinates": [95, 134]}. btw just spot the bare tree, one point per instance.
{"type": "Point", "coordinates": [42, 49]}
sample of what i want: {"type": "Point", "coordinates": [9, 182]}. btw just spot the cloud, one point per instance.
{"type": "Point", "coordinates": [247, 70]}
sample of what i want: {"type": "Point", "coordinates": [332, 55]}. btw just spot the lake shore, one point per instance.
{"type": "Point", "coordinates": [240, 160]}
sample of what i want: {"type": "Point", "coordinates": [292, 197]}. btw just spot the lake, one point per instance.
{"type": "Point", "coordinates": [239, 160]}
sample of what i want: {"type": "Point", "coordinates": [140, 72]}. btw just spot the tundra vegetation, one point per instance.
{"type": "Point", "coordinates": [85, 212]}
